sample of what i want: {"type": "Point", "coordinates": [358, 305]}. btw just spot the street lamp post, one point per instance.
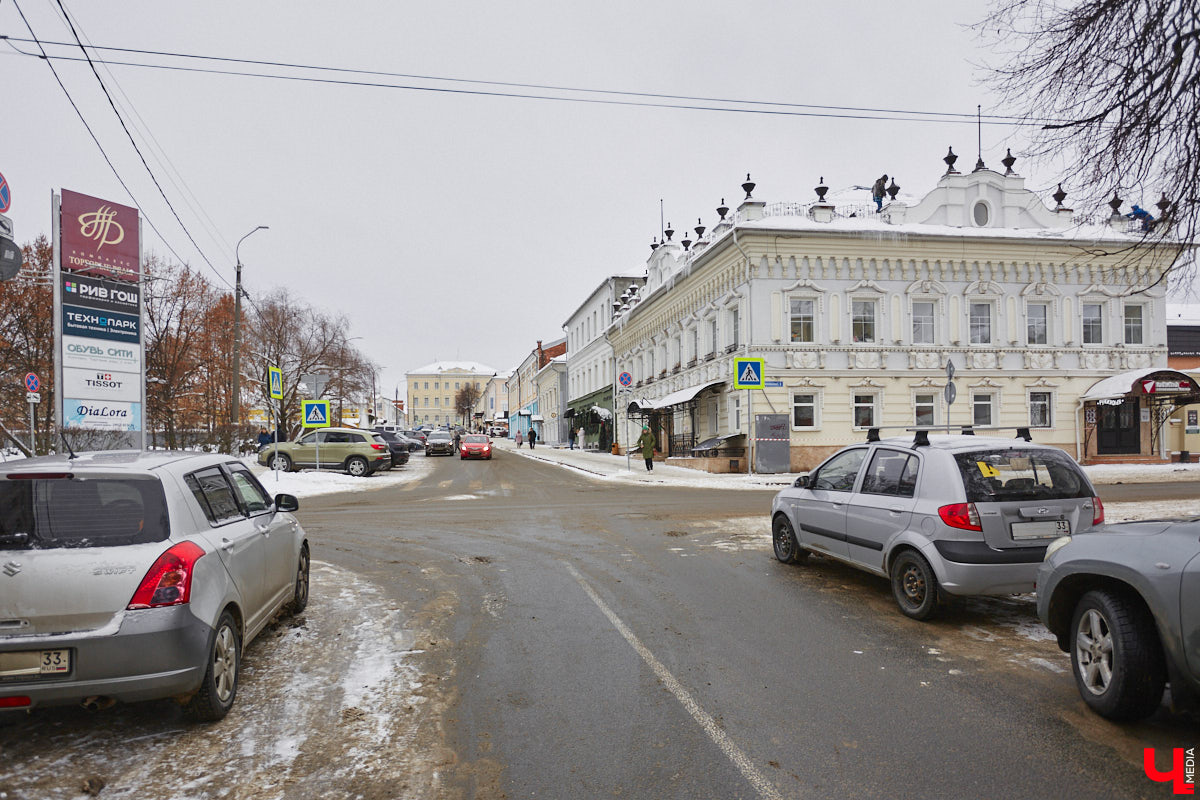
{"type": "Point", "coordinates": [235, 413]}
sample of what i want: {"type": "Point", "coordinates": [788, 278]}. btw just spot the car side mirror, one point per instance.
{"type": "Point", "coordinates": [286, 502]}
{"type": "Point", "coordinates": [801, 482]}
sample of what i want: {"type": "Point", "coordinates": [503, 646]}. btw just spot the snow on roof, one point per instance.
{"type": "Point", "coordinates": [1122, 384]}
{"type": "Point", "coordinates": [1183, 313]}
{"type": "Point", "coordinates": [453, 366]}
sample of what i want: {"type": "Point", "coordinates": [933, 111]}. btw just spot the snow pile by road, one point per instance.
{"type": "Point", "coordinates": [310, 483]}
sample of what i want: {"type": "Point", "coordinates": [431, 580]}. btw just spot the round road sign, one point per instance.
{"type": "Point", "coordinates": [32, 382]}
{"type": "Point", "coordinates": [5, 196]}
{"type": "Point", "coordinates": [626, 379]}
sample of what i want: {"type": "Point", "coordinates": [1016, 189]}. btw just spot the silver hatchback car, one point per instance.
{"type": "Point", "coordinates": [952, 514]}
{"type": "Point", "coordinates": [130, 576]}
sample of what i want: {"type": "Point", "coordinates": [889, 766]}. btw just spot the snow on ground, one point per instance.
{"type": "Point", "coordinates": [310, 483]}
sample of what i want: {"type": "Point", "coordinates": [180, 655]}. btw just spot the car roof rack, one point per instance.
{"type": "Point", "coordinates": [921, 437]}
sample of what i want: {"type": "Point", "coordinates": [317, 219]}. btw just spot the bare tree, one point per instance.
{"type": "Point", "coordinates": [27, 343]}
{"type": "Point", "coordinates": [1112, 86]}
{"type": "Point", "coordinates": [465, 400]}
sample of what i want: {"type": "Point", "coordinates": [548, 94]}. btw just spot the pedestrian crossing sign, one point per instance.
{"type": "Point", "coordinates": [275, 382]}
{"type": "Point", "coordinates": [316, 413]}
{"type": "Point", "coordinates": [748, 373]}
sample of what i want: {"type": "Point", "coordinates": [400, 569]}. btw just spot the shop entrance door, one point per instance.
{"type": "Point", "coordinates": [1120, 428]}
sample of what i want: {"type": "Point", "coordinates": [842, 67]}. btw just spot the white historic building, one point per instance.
{"type": "Point", "coordinates": [856, 314]}
{"type": "Point", "coordinates": [590, 375]}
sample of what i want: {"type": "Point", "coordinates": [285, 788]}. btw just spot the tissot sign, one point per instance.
{"type": "Point", "coordinates": [99, 237]}
{"type": "Point", "coordinates": [98, 310]}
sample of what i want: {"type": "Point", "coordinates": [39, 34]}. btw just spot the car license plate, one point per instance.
{"type": "Point", "coordinates": [28, 663]}
{"type": "Point", "coordinates": [1040, 530]}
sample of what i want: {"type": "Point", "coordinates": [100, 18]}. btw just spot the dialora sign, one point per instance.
{"type": "Point", "coordinates": [99, 353]}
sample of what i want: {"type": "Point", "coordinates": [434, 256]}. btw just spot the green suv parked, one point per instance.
{"type": "Point", "coordinates": [354, 450]}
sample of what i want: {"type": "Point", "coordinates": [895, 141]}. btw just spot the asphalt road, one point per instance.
{"type": "Point", "coordinates": [512, 629]}
{"type": "Point", "coordinates": [592, 641]}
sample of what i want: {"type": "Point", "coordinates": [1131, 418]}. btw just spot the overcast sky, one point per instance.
{"type": "Point", "coordinates": [455, 225]}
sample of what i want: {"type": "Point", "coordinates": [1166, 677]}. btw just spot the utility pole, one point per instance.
{"type": "Point", "coordinates": [235, 405]}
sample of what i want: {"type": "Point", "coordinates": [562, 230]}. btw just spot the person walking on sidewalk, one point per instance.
{"type": "Point", "coordinates": [571, 437]}
{"type": "Point", "coordinates": [646, 443]}
{"type": "Point", "coordinates": [532, 437]}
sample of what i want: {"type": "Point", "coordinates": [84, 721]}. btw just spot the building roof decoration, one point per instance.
{"type": "Point", "coordinates": [453, 366]}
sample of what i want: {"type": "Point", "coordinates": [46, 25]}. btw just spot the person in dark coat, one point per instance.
{"type": "Point", "coordinates": [532, 437]}
{"type": "Point", "coordinates": [646, 443]}
{"type": "Point", "coordinates": [571, 438]}
{"type": "Point", "coordinates": [877, 190]}
{"type": "Point", "coordinates": [264, 438]}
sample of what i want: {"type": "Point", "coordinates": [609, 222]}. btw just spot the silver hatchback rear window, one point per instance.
{"type": "Point", "coordinates": [1020, 474]}
{"type": "Point", "coordinates": [65, 510]}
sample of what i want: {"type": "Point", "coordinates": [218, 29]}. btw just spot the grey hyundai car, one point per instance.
{"type": "Point", "coordinates": [938, 515]}
{"type": "Point", "coordinates": [129, 576]}
{"type": "Point", "coordinates": [1124, 601]}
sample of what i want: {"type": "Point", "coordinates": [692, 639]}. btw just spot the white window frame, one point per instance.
{"type": "Point", "coordinates": [1083, 326]}
{"type": "Point", "coordinates": [1049, 407]}
{"type": "Point", "coordinates": [990, 305]}
{"type": "Point", "coordinates": [816, 408]}
{"type": "Point", "coordinates": [1141, 307]}
{"type": "Point", "coordinates": [735, 325]}
{"type": "Point", "coordinates": [813, 319]}
{"type": "Point", "coordinates": [933, 317]}
{"type": "Point", "coordinates": [1029, 318]}
{"type": "Point", "coordinates": [735, 412]}
{"type": "Point", "coordinates": [992, 404]}
{"type": "Point", "coordinates": [873, 304]}
{"type": "Point", "coordinates": [933, 406]}
{"type": "Point", "coordinates": [855, 394]}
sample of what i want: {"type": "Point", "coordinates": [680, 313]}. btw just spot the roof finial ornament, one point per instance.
{"type": "Point", "coordinates": [722, 209]}
{"type": "Point", "coordinates": [1115, 204]}
{"type": "Point", "coordinates": [699, 229]}
{"type": "Point", "coordinates": [821, 190]}
{"type": "Point", "coordinates": [950, 159]}
{"type": "Point", "coordinates": [1163, 205]}
{"type": "Point", "coordinates": [1008, 161]}
{"type": "Point", "coordinates": [669, 232]}
{"type": "Point", "coordinates": [654, 245]}
{"type": "Point", "coordinates": [893, 189]}
{"type": "Point", "coordinates": [1059, 196]}
{"type": "Point", "coordinates": [748, 186]}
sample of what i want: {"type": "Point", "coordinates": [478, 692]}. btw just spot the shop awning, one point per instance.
{"type": "Point", "coordinates": [524, 412]}
{"type": "Point", "coordinates": [601, 412]}
{"type": "Point", "coordinates": [1142, 381]}
{"type": "Point", "coordinates": [570, 412]}
{"type": "Point", "coordinates": [537, 418]}
{"type": "Point", "coordinates": [673, 399]}
{"type": "Point", "coordinates": [715, 442]}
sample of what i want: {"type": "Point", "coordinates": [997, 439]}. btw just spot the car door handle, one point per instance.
{"type": "Point", "coordinates": [896, 509]}
{"type": "Point", "coordinates": [263, 529]}
{"type": "Point", "coordinates": [227, 545]}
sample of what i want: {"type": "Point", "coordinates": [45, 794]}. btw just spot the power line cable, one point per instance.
{"type": "Point", "coordinates": [780, 109]}
{"type": "Point", "coordinates": [136, 148]}
{"type": "Point", "coordinates": [173, 175]}
{"type": "Point", "coordinates": [95, 139]}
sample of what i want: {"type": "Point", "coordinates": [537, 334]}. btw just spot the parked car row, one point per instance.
{"type": "Point", "coordinates": [958, 515]}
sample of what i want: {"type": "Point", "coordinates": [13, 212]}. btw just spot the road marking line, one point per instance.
{"type": "Point", "coordinates": [764, 787]}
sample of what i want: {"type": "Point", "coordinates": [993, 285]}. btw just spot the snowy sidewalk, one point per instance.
{"type": "Point", "coordinates": [610, 467]}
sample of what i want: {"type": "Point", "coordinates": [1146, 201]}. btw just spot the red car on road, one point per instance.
{"type": "Point", "coordinates": [475, 445]}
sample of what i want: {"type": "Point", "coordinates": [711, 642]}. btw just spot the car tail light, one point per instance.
{"type": "Point", "coordinates": [15, 702]}
{"type": "Point", "coordinates": [961, 515]}
{"type": "Point", "coordinates": [1097, 511]}
{"type": "Point", "coordinates": [379, 446]}
{"type": "Point", "coordinates": [169, 581]}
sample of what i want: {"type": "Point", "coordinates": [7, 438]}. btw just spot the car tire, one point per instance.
{"type": "Point", "coordinates": [915, 586]}
{"type": "Point", "coordinates": [358, 466]}
{"type": "Point", "coordinates": [299, 599]}
{"type": "Point", "coordinates": [787, 548]}
{"type": "Point", "coordinates": [280, 462]}
{"type": "Point", "coordinates": [1116, 656]}
{"type": "Point", "coordinates": [218, 689]}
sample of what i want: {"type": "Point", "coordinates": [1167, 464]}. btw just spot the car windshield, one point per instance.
{"type": "Point", "coordinates": [474, 439]}
{"type": "Point", "coordinates": [1020, 474]}
{"type": "Point", "coordinates": [440, 435]}
{"type": "Point", "coordinates": [77, 511]}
